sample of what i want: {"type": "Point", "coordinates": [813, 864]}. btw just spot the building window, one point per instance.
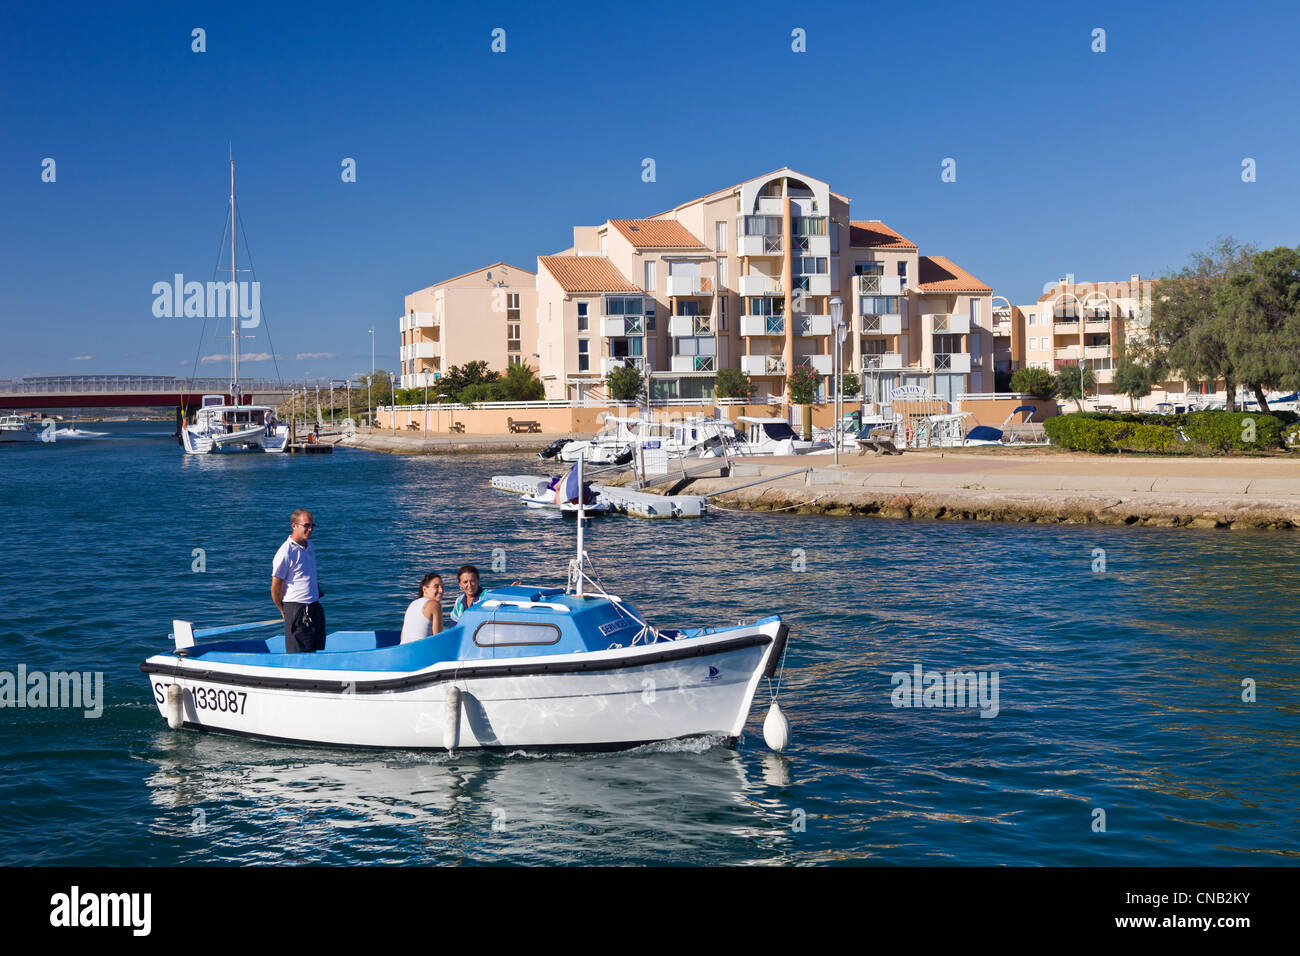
{"type": "Point", "coordinates": [810, 265]}
{"type": "Point", "coordinates": [649, 315]}
{"type": "Point", "coordinates": [722, 313]}
{"type": "Point", "coordinates": [878, 305]}
{"type": "Point", "coordinates": [720, 236]}
{"type": "Point", "coordinates": [512, 340]}
{"type": "Point", "coordinates": [649, 276]}
{"type": "Point", "coordinates": [902, 270]}
{"type": "Point", "coordinates": [582, 316]}
{"type": "Point", "coordinates": [722, 275]}
{"type": "Point", "coordinates": [604, 245]}
{"type": "Point", "coordinates": [584, 358]}
{"type": "Point", "coordinates": [974, 311]}
{"type": "Point", "coordinates": [835, 239]}
{"type": "Point", "coordinates": [512, 300]}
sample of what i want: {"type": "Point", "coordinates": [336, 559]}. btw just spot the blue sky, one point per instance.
{"type": "Point", "coordinates": [1100, 164]}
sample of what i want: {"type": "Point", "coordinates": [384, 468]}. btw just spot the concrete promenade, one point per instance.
{"type": "Point", "coordinates": [1028, 486]}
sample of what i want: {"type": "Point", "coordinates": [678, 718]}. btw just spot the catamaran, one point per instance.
{"type": "Point", "coordinates": [527, 667]}
{"type": "Point", "coordinates": [225, 426]}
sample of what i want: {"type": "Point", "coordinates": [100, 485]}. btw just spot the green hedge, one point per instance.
{"type": "Point", "coordinates": [1212, 432]}
{"type": "Point", "coordinates": [1232, 431]}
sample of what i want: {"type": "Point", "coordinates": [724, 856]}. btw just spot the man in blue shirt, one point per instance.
{"type": "Point", "coordinates": [470, 590]}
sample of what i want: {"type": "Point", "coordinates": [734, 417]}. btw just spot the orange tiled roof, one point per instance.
{"type": "Point", "coordinates": [586, 274]}
{"type": "Point", "coordinates": [874, 234]}
{"type": "Point", "coordinates": [656, 234]}
{"type": "Point", "coordinates": [938, 274]}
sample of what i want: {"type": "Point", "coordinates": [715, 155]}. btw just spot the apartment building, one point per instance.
{"type": "Point", "coordinates": [744, 278]}
{"type": "Point", "coordinates": [488, 315]}
{"type": "Point", "coordinates": [1089, 322]}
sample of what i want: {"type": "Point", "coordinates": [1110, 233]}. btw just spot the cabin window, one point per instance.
{"type": "Point", "coordinates": [514, 633]}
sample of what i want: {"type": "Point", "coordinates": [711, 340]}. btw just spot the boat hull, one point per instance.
{"type": "Point", "coordinates": [604, 700]}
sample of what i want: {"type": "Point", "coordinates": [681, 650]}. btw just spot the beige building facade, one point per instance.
{"type": "Point", "coordinates": [744, 278]}
{"type": "Point", "coordinates": [1093, 323]}
{"type": "Point", "coordinates": [485, 315]}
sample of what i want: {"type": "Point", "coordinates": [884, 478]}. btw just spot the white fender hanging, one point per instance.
{"type": "Point", "coordinates": [776, 729]}
{"type": "Point", "coordinates": [451, 719]}
{"type": "Point", "coordinates": [175, 706]}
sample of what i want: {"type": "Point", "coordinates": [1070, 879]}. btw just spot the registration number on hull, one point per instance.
{"type": "Point", "coordinates": [209, 698]}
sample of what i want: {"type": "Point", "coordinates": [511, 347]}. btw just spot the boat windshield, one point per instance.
{"type": "Point", "coordinates": [778, 431]}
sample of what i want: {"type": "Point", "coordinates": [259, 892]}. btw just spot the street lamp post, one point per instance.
{"type": "Point", "coordinates": [425, 373]}
{"type": "Point", "coordinates": [837, 337]}
{"type": "Point", "coordinates": [370, 404]}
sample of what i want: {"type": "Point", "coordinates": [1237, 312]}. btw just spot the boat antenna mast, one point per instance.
{"type": "Point", "coordinates": [235, 398]}
{"type": "Point", "coordinates": [577, 570]}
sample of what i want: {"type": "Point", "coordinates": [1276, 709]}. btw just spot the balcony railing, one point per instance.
{"type": "Point", "coordinates": [882, 362]}
{"type": "Point", "coordinates": [882, 324]}
{"type": "Point", "coordinates": [821, 364]}
{"type": "Point", "coordinates": [683, 325]}
{"type": "Point", "coordinates": [760, 245]}
{"type": "Point", "coordinates": [618, 326]}
{"type": "Point", "coordinates": [762, 325]}
{"type": "Point", "coordinates": [756, 284]}
{"type": "Point", "coordinates": [951, 361]}
{"type": "Point", "coordinates": [812, 325]}
{"type": "Point", "coordinates": [762, 364]}
{"type": "Point", "coordinates": [630, 361]}
{"type": "Point", "coordinates": [945, 324]}
{"type": "Point", "coordinates": [689, 285]}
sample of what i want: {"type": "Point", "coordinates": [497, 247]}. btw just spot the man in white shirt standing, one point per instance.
{"type": "Point", "coordinates": [294, 589]}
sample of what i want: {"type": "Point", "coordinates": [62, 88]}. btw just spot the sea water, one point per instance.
{"type": "Point", "coordinates": [1140, 698]}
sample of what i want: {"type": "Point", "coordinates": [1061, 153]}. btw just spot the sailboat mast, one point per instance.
{"type": "Point", "coordinates": [234, 296]}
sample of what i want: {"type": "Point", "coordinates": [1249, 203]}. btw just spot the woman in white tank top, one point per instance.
{"type": "Point", "coordinates": [424, 614]}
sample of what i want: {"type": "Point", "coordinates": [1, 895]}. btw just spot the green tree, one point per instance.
{"type": "Point", "coordinates": [1037, 382]}
{"type": "Point", "coordinates": [850, 384]}
{"type": "Point", "coordinates": [1191, 320]}
{"type": "Point", "coordinates": [1262, 312]}
{"type": "Point", "coordinates": [733, 383]}
{"type": "Point", "coordinates": [1133, 379]}
{"type": "Point", "coordinates": [521, 384]}
{"type": "Point", "coordinates": [460, 377]}
{"type": "Point", "coordinates": [625, 383]}
{"type": "Point", "coordinates": [482, 392]}
{"type": "Point", "coordinates": [803, 382]}
{"type": "Point", "coordinates": [1073, 382]}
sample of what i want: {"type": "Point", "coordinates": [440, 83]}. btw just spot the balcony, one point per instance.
{"type": "Point", "coordinates": [771, 206]}
{"type": "Point", "coordinates": [759, 246]}
{"type": "Point", "coordinates": [812, 325]}
{"type": "Point", "coordinates": [1066, 326]}
{"type": "Point", "coordinates": [810, 245]}
{"type": "Point", "coordinates": [882, 324]}
{"type": "Point", "coordinates": [1097, 325]}
{"type": "Point", "coordinates": [762, 364]}
{"type": "Point", "coordinates": [762, 325]}
{"type": "Point", "coordinates": [882, 362]}
{"type": "Point", "coordinates": [821, 364]}
{"type": "Point", "coordinates": [756, 284]}
{"type": "Point", "coordinates": [419, 350]}
{"type": "Point", "coordinates": [619, 326]}
{"type": "Point", "coordinates": [1097, 352]}
{"type": "Point", "coordinates": [881, 285]}
{"type": "Point", "coordinates": [607, 364]}
{"type": "Point", "coordinates": [422, 320]}
{"type": "Point", "coordinates": [958, 362]}
{"type": "Point", "coordinates": [683, 325]}
{"type": "Point", "coordinates": [694, 363]}
{"type": "Point", "coordinates": [946, 324]}
{"type": "Point", "coordinates": [813, 284]}
{"type": "Point", "coordinates": [688, 285]}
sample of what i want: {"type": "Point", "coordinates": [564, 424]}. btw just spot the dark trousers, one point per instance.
{"type": "Point", "coordinates": [304, 627]}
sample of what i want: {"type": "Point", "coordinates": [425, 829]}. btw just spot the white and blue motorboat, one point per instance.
{"type": "Point", "coordinates": [525, 668]}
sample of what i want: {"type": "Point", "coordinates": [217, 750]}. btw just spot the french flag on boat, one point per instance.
{"type": "Point", "coordinates": [568, 488]}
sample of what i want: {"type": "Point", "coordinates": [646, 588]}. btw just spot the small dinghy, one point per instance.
{"type": "Point", "coordinates": [561, 494]}
{"type": "Point", "coordinates": [525, 668]}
